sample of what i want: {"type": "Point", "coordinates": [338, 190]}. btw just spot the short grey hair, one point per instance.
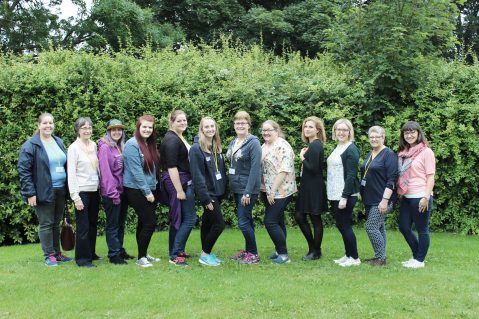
{"type": "Point", "coordinates": [80, 122]}
{"type": "Point", "coordinates": [377, 129]}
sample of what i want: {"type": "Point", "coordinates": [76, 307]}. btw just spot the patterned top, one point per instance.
{"type": "Point", "coordinates": [335, 181]}
{"type": "Point", "coordinates": [280, 158]}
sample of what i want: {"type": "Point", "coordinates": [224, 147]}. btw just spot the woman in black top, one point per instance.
{"type": "Point", "coordinates": [176, 179]}
{"type": "Point", "coordinates": [379, 173]}
{"type": "Point", "coordinates": [312, 192]}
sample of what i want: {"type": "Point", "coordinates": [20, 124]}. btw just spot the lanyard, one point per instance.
{"type": "Point", "coordinates": [368, 163]}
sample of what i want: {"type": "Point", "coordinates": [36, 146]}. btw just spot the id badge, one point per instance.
{"type": "Point", "coordinates": [218, 176]}
{"type": "Point", "coordinates": [60, 169]}
{"type": "Point", "coordinates": [363, 182]}
{"type": "Point", "coordinates": [232, 171]}
{"type": "Point", "coordinates": [208, 159]}
{"type": "Point", "coordinates": [94, 178]}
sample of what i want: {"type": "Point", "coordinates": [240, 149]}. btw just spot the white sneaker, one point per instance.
{"type": "Point", "coordinates": [351, 262]}
{"type": "Point", "coordinates": [407, 261]}
{"type": "Point", "coordinates": [414, 264]}
{"type": "Point", "coordinates": [152, 259]}
{"type": "Point", "coordinates": [341, 260]}
{"type": "Point", "coordinates": [143, 262]}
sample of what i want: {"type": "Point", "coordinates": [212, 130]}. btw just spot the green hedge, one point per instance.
{"type": "Point", "coordinates": [207, 81]}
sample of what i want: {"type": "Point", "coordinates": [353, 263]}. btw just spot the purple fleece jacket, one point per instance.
{"type": "Point", "coordinates": [111, 171]}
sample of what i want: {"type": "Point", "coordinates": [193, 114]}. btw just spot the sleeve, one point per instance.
{"type": "Point", "coordinates": [314, 158]}
{"type": "Point", "coordinates": [286, 158]}
{"type": "Point", "coordinates": [391, 165]}
{"type": "Point", "coordinates": [106, 177]}
{"type": "Point", "coordinates": [25, 171]}
{"type": "Point", "coordinates": [133, 161]}
{"type": "Point", "coordinates": [72, 160]}
{"type": "Point", "coordinates": [351, 171]}
{"type": "Point", "coordinates": [172, 148]}
{"type": "Point", "coordinates": [198, 174]}
{"type": "Point", "coordinates": [429, 162]}
{"type": "Point", "coordinates": [254, 178]}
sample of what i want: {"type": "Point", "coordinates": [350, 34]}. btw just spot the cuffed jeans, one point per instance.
{"type": "Point", "coordinates": [188, 221]}
{"type": "Point", "coordinates": [344, 222]}
{"type": "Point", "coordinates": [49, 217]}
{"type": "Point", "coordinates": [86, 220]}
{"type": "Point", "coordinates": [409, 214]}
{"type": "Point", "coordinates": [245, 222]}
{"type": "Point", "coordinates": [274, 222]}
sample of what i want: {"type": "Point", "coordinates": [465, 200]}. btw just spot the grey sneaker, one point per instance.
{"type": "Point", "coordinates": [152, 259]}
{"type": "Point", "coordinates": [144, 263]}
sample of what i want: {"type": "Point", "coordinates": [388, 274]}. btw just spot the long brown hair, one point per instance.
{"type": "Point", "coordinates": [318, 123]}
{"type": "Point", "coordinates": [148, 148]}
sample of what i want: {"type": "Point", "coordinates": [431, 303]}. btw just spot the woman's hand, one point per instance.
{"type": "Point", "coordinates": [32, 201]}
{"type": "Point", "coordinates": [423, 205]}
{"type": "Point", "coordinates": [181, 195]}
{"type": "Point", "coordinates": [342, 203]}
{"type": "Point", "coordinates": [245, 200]}
{"type": "Point", "coordinates": [210, 206]}
{"type": "Point", "coordinates": [79, 205]}
{"type": "Point", "coordinates": [150, 198]}
{"type": "Point", "coordinates": [383, 206]}
{"type": "Point", "coordinates": [301, 153]}
{"type": "Point", "coordinates": [270, 198]}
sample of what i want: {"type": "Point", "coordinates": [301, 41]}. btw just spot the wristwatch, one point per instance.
{"type": "Point", "coordinates": [246, 195]}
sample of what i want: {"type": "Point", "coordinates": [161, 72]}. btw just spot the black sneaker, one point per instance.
{"type": "Point", "coordinates": [118, 260]}
{"type": "Point", "coordinates": [126, 256]}
{"type": "Point", "coordinates": [96, 257]}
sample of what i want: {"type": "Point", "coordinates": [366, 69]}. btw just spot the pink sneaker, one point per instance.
{"type": "Point", "coordinates": [250, 259]}
{"type": "Point", "coordinates": [239, 256]}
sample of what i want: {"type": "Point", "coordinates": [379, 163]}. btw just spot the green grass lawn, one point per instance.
{"type": "Point", "coordinates": [448, 287]}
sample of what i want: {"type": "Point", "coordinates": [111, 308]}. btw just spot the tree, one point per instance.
{"type": "Point", "coordinates": [468, 30]}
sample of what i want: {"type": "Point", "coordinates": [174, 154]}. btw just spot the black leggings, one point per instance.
{"type": "Point", "coordinates": [313, 237]}
{"type": "Point", "coordinates": [146, 219]}
{"type": "Point", "coordinates": [212, 225]}
{"type": "Point", "coordinates": [344, 223]}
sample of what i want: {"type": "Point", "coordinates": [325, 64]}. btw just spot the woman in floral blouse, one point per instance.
{"type": "Point", "coordinates": [277, 185]}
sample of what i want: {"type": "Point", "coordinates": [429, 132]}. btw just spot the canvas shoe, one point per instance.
{"type": "Point", "coordinates": [144, 263]}
{"type": "Point", "coordinates": [350, 262]}
{"type": "Point", "coordinates": [415, 264]}
{"type": "Point", "coordinates": [152, 259]}
{"type": "Point", "coordinates": [239, 255]}
{"type": "Point", "coordinates": [178, 261]}
{"type": "Point", "coordinates": [341, 260]}
{"type": "Point", "coordinates": [250, 259]}
{"type": "Point", "coordinates": [281, 259]}
{"type": "Point", "coordinates": [51, 261]}
{"type": "Point", "coordinates": [208, 260]}
{"type": "Point", "coordinates": [62, 258]}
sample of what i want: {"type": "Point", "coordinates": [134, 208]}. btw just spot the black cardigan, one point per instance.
{"type": "Point", "coordinates": [350, 159]}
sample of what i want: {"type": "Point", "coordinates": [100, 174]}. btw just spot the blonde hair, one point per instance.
{"type": "Point", "coordinates": [242, 115]}
{"type": "Point", "coordinates": [276, 127]}
{"type": "Point", "coordinates": [348, 124]}
{"type": "Point", "coordinates": [173, 115]}
{"type": "Point", "coordinates": [318, 123]}
{"type": "Point", "coordinates": [216, 138]}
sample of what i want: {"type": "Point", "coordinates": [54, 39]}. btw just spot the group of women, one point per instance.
{"type": "Point", "coordinates": [136, 173]}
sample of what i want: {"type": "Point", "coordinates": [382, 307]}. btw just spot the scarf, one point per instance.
{"type": "Point", "coordinates": [405, 159]}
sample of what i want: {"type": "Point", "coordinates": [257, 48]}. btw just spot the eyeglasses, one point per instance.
{"type": "Point", "coordinates": [376, 137]}
{"type": "Point", "coordinates": [268, 130]}
{"type": "Point", "coordinates": [89, 128]}
{"type": "Point", "coordinates": [241, 123]}
{"type": "Point", "coordinates": [409, 133]}
{"type": "Point", "coordinates": [342, 130]}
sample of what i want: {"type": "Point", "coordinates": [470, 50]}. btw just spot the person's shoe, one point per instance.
{"type": "Point", "coordinates": [311, 256]}
{"type": "Point", "coordinates": [126, 256]}
{"type": "Point", "coordinates": [118, 260]}
{"type": "Point", "coordinates": [178, 261]}
{"type": "Point", "coordinates": [250, 259]}
{"type": "Point", "coordinates": [96, 257]}
{"type": "Point", "coordinates": [51, 261]}
{"type": "Point", "coordinates": [274, 255]}
{"type": "Point", "coordinates": [415, 264]}
{"type": "Point", "coordinates": [350, 262]}
{"type": "Point", "coordinates": [208, 260]}
{"type": "Point", "coordinates": [378, 262]}
{"type": "Point", "coordinates": [281, 259]}
{"type": "Point", "coordinates": [62, 258]}
{"type": "Point", "coordinates": [239, 255]}
{"type": "Point", "coordinates": [370, 259]}
{"type": "Point", "coordinates": [152, 259]}
{"type": "Point", "coordinates": [144, 263]}
{"type": "Point", "coordinates": [184, 254]}
{"type": "Point", "coordinates": [341, 260]}
{"type": "Point", "coordinates": [87, 265]}
{"type": "Point", "coordinates": [407, 261]}
{"type": "Point", "coordinates": [216, 258]}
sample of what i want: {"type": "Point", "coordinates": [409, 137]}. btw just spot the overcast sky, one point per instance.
{"type": "Point", "coordinates": [68, 9]}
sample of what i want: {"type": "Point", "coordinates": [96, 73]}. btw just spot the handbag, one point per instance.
{"type": "Point", "coordinates": [67, 235]}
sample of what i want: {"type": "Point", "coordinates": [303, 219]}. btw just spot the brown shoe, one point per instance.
{"type": "Point", "coordinates": [378, 262]}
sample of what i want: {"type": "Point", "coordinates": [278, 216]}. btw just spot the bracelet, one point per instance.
{"type": "Point", "coordinates": [386, 198]}
{"type": "Point", "coordinates": [426, 198]}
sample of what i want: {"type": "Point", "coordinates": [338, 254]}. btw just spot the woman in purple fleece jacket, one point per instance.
{"type": "Point", "coordinates": [110, 158]}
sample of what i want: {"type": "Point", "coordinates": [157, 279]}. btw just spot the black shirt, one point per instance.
{"type": "Point", "coordinates": [173, 153]}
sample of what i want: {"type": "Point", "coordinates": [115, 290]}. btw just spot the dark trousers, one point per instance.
{"type": "Point", "coordinates": [344, 223]}
{"type": "Point", "coordinates": [49, 216]}
{"type": "Point", "coordinates": [274, 222]}
{"type": "Point", "coordinates": [146, 219]}
{"type": "Point", "coordinates": [115, 214]}
{"type": "Point", "coordinates": [246, 223]}
{"type": "Point", "coordinates": [212, 225]}
{"type": "Point", "coordinates": [86, 222]}
{"type": "Point", "coordinates": [188, 221]}
{"type": "Point", "coordinates": [314, 237]}
{"type": "Point", "coordinates": [409, 214]}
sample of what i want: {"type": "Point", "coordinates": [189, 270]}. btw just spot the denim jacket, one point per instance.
{"type": "Point", "coordinates": [133, 174]}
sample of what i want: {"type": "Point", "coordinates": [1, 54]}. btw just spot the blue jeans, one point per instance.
{"type": "Point", "coordinates": [245, 222]}
{"type": "Point", "coordinates": [344, 223]}
{"type": "Point", "coordinates": [409, 214]}
{"type": "Point", "coordinates": [274, 222]}
{"type": "Point", "coordinates": [112, 227]}
{"type": "Point", "coordinates": [86, 220]}
{"type": "Point", "coordinates": [188, 221]}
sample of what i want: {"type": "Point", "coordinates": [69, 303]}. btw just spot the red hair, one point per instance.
{"type": "Point", "coordinates": [148, 148]}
